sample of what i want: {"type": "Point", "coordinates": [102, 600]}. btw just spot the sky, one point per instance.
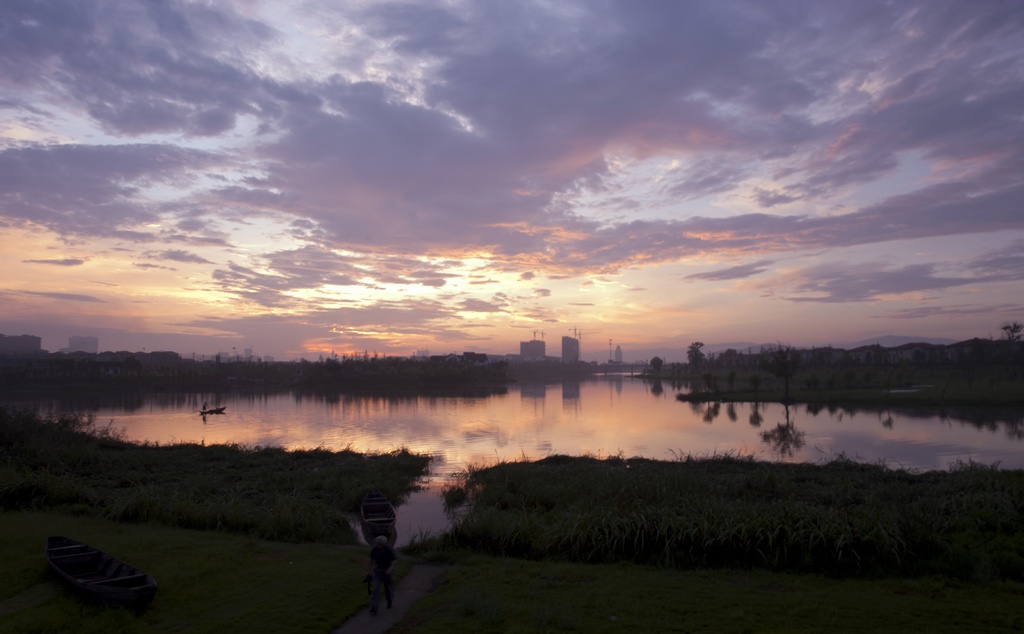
{"type": "Point", "coordinates": [321, 177]}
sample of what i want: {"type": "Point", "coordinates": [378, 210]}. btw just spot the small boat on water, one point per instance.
{"type": "Point", "coordinates": [213, 410]}
{"type": "Point", "coordinates": [98, 575]}
{"type": "Point", "coordinates": [377, 516]}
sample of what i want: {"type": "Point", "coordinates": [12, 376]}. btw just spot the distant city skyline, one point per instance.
{"type": "Point", "coordinates": [533, 352]}
{"type": "Point", "coordinates": [313, 178]}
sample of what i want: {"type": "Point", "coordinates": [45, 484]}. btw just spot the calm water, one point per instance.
{"type": "Point", "coordinates": [600, 417]}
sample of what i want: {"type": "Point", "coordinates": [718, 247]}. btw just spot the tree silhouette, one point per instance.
{"type": "Point", "coordinates": [656, 364]}
{"type": "Point", "coordinates": [694, 354]}
{"type": "Point", "coordinates": [1013, 331]}
{"type": "Point", "coordinates": [782, 362]}
{"type": "Point", "coordinates": [755, 382]}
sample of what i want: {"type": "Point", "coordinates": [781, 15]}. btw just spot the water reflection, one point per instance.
{"type": "Point", "coordinates": [1000, 420]}
{"type": "Point", "coordinates": [755, 417]}
{"type": "Point", "coordinates": [604, 416]}
{"type": "Point", "coordinates": [785, 439]}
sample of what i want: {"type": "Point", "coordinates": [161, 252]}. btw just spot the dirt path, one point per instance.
{"type": "Point", "coordinates": [421, 580]}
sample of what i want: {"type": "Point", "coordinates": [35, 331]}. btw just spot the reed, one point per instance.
{"type": "Point", "coordinates": [69, 463]}
{"type": "Point", "coordinates": [841, 517]}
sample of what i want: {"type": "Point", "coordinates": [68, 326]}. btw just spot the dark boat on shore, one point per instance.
{"type": "Point", "coordinates": [377, 516]}
{"type": "Point", "coordinates": [98, 575]}
{"type": "Point", "coordinates": [214, 410]}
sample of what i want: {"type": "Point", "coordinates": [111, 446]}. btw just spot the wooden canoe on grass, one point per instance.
{"type": "Point", "coordinates": [377, 516]}
{"type": "Point", "coordinates": [98, 575]}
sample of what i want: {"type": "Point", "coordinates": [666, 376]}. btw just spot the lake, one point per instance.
{"type": "Point", "coordinates": [614, 415]}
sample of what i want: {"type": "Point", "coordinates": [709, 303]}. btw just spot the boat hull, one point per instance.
{"type": "Point", "coordinates": [377, 517]}
{"type": "Point", "coordinates": [99, 576]}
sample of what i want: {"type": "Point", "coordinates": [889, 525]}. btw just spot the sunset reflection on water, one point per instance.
{"type": "Point", "coordinates": [602, 417]}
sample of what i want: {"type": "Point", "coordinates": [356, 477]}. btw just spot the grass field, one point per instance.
{"type": "Point", "coordinates": [508, 595]}
{"type": "Point", "coordinates": [208, 581]}
{"type": "Point", "coordinates": [213, 582]}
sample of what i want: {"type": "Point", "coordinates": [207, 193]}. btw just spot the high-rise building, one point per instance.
{"type": "Point", "coordinates": [532, 350]}
{"type": "Point", "coordinates": [618, 354]}
{"type": "Point", "coordinates": [20, 344]}
{"type": "Point", "coordinates": [83, 343]}
{"type": "Point", "coordinates": [570, 350]}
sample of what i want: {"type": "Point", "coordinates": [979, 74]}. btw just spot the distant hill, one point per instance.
{"type": "Point", "coordinates": [891, 341]}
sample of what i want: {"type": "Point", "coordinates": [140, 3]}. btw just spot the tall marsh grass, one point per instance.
{"type": "Point", "coordinates": [842, 517]}
{"type": "Point", "coordinates": [69, 463]}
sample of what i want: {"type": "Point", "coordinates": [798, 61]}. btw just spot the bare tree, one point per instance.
{"type": "Point", "coordinates": [1013, 331]}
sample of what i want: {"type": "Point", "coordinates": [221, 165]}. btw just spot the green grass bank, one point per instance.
{"type": "Point", "coordinates": [215, 582]}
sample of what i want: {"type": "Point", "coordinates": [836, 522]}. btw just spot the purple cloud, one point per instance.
{"type": "Point", "coordinates": [568, 140]}
{"type": "Point", "coordinates": [733, 272]}
{"type": "Point", "coordinates": [58, 262]}
{"type": "Point", "coordinates": [177, 255]}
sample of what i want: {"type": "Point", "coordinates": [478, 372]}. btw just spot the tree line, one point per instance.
{"type": "Point", "coordinates": [967, 360]}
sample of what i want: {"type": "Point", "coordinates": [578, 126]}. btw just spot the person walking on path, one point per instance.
{"type": "Point", "coordinates": [382, 559]}
{"type": "Point", "coordinates": [415, 586]}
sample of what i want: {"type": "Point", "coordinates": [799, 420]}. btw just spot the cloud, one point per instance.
{"type": "Point", "coordinates": [147, 265]}
{"type": "Point", "coordinates": [480, 306]}
{"type": "Point", "coordinates": [73, 297]}
{"type": "Point", "coordinates": [90, 190]}
{"type": "Point", "coordinates": [138, 68]}
{"type": "Point", "coordinates": [1005, 263]}
{"type": "Point", "coordinates": [923, 312]}
{"type": "Point", "coordinates": [766, 198]}
{"type": "Point", "coordinates": [58, 262]}
{"type": "Point", "coordinates": [177, 255]}
{"type": "Point", "coordinates": [733, 272]}
{"type": "Point", "coordinates": [856, 283]}
{"type": "Point", "coordinates": [475, 151]}
{"type": "Point", "coordinates": [706, 177]}
{"type": "Point", "coordinates": [338, 154]}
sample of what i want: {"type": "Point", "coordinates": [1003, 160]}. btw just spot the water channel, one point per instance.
{"type": "Point", "coordinates": [615, 415]}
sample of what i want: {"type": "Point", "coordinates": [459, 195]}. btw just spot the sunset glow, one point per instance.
{"type": "Point", "coordinates": [302, 178]}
